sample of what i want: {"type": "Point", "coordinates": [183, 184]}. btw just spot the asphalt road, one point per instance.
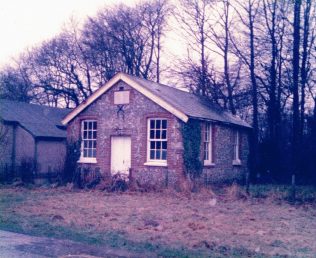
{"type": "Point", "coordinates": [13, 245]}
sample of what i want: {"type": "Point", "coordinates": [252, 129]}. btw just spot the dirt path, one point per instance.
{"type": "Point", "coordinates": [13, 245]}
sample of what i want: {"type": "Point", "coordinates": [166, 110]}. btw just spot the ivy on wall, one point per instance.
{"type": "Point", "coordinates": [191, 134]}
{"type": "Point", "coordinates": [72, 156]}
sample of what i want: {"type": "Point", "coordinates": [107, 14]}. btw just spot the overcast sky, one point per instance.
{"type": "Point", "coordinates": [25, 23]}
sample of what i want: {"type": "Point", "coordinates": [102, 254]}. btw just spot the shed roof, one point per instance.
{"type": "Point", "coordinates": [40, 121]}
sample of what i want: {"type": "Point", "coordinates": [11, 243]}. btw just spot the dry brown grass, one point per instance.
{"type": "Point", "coordinates": [199, 220]}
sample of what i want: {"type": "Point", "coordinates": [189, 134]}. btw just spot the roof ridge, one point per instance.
{"type": "Point", "coordinates": [33, 104]}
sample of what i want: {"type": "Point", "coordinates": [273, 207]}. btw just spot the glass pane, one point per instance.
{"type": "Point", "coordinates": [94, 134]}
{"type": "Point", "coordinates": [158, 146]}
{"type": "Point", "coordinates": [84, 125]}
{"type": "Point", "coordinates": [164, 134]}
{"type": "Point", "coordinates": [152, 134]}
{"type": "Point", "coordinates": [152, 145]}
{"type": "Point", "coordinates": [164, 155]}
{"type": "Point", "coordinates": [152, 124]}
{"type": "Point", "coordinates": [95, 125]}
{"type": "Point", "coordinates": [90, 125]}
{"type": "Point", "coordinates": [85, 134]}
{"type": "Point", "coordinates": [89, 134]}
{"type": "Point", "coordinates": [90, 144]}
{"type": "Point", "coordinates": [94, 153]}
{"type": "Point", "coordinates": [164, 124]}
{"type": "Point", "coordinates": [85, 144]}
{"type": "Point", "coordinates": [158, 124]}
{"type": "Point", "coordinates": [152, 154]}
{"type": "Point", "coordinates": [158, 134]}
{"type": "Point", "coordinates": [164, 145]}
{"type": "Point", "coordinates": [158, 154]}
{"type": "Point", "coordinates": [94, 144]}
{"type": "Point", "coordinates": [85, 153]}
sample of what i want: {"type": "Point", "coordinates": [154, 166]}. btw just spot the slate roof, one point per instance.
{"type": "Point", "coordinates": [191, 105]}
{"type": "Point", "coordinates": [40, 121]}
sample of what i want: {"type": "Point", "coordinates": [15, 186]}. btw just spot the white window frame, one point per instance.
{"type": "Point", "coordinates": [82, 158]}
{"type": "Point", "coordinates": [208, 141]}
{"type": "Point", "coordinates": [236, 160]}
{"type": "Point", "coordinates": [156, 162]}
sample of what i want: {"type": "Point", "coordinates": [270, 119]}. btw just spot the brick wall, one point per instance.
{"type": "Point", "coordinates": [223, 169]}
{"type": "Point", "coordinates": [134, 124]}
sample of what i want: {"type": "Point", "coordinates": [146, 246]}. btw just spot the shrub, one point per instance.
{"type": "Point", "coordinates": [72, 156]}
{"type": "Point", "coordinates": [27, 170]}
{"type": "Point", "coordinates": [119, 182]}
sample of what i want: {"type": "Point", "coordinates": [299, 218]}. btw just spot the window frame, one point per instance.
{"type": "Point", "coordinates": [208, 127]}
{"type": "Point", "coordinates": [156, 162]}
{"type": "Point", "coordinates": [236, 147]}
{"type": "Point", "coordinates": [82, 158]}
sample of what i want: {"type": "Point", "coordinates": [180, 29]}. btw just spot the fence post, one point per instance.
{"type": "Point", "coordinates": [247, 182]}
{"type": "Point", "coordinates": [293, 190]}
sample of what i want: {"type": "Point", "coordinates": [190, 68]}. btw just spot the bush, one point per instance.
{"type": "Point", "coordinates": [119, 182]}
{"type": "Point", "coordinates": [27, 170]}
{"type": "Point", "coordinates": [72, 156]}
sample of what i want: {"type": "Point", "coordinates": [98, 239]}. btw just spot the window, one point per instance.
{"type": "Point", "coordinates": [89, 141]}
{"type": "Point", "coordinates": [207, 144]}
{"type": "Point", "coordinates": [157, 142]}
{"type": "Point", "coordinates": [236, 160]}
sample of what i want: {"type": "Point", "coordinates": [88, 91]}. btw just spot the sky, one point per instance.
{"type": "Point", "coordinates": [26, 23]}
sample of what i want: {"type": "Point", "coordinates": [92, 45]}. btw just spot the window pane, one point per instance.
{"type": "Point", "coordinates": [157, 134]}
{"type": "Point", "coordinates": [95, 125]}
{"type": "Point", "coordinates": [85, 153]}
{"type": "Point", "coordinates": [158, 146]}
{"type": "Point", "coordinates": [152, 145]}
{"type": "Point", "coordinates": [164, 134]}
{"type": "Point", "coordinates": [94, 134]}
{"type": "Point", "coordinates": [152, 134]}
{"type": "Point", "coordinates": [164, 155]}
{"type": "Point", "coordinates": [164, 145]}
{"type": "Point", "coordinates": [94, 153]}
{"type": "Point", "coordinates": [152, 154]}
{"type": "Point", "coordinates": [158, 124]}
{"type": "Point", "coordinates": [152, 124]}
{"type": "Point", "coordinates": [164, 124]}
{"type": "Point", "coordinates": [84, 125]}
{"type": "Point", "coordinates": [85, 144]}
{"type": "Point", "coordinates": [158, 154]}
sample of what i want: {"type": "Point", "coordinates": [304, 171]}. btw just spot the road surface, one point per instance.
{"type": "Point", "coordinates": [13, 245]}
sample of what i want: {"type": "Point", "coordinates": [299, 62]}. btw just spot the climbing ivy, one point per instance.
{"type": "Point", "coordinates": [191, 134]}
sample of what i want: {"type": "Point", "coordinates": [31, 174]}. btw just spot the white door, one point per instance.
{"type": "Point", "coordinates": [120, 154]}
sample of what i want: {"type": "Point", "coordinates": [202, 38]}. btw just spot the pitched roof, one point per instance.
{"type": "Point", "coordinates": [182, 104]}
{"type": "Point", "coordinates": [40, 121]}
{"type": "Point", "coordinates": [190, 104]}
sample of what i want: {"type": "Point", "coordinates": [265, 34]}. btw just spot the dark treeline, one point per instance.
{"type": "Point", "coordinates": [256, 58]}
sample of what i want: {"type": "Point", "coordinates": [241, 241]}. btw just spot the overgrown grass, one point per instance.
{"type": "Point", "coordinates": [304, 194]}
{"type": "Point", "coordinates": [39, 226]}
